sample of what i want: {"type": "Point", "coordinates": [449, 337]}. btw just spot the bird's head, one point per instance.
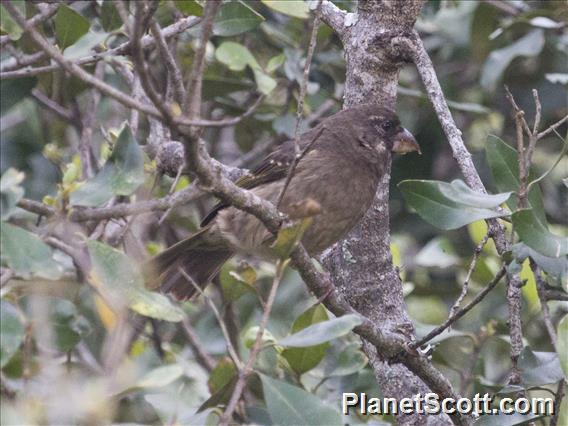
{"type": "Point", "coordinates": [380, 130]}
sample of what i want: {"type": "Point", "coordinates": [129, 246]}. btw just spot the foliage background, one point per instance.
{"type": "Point", "coordinates": [56, 332]}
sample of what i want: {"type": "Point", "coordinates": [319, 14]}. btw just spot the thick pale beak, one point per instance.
{"type": "Point", "coordinates": [404, 143]}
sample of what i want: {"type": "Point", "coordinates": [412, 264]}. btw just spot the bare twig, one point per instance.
{"type": "Point", "coordinates": [558, 402]}
{"type": "Point", "coordinates": [47, 12]}
{"type": "Point", "coordinates": [202, 357]}
{"type": "Point", "coordinates": [458, 314]}
{"type": "Point", "coordinates": [53, 106]}
{"type": "Point", "coordinates": [192, 102]}
{"type": "Point", "coordinates": [174, 73]}
{"type": "Point", "coordinates": [298, 154]}
{"type": "Point", "coordinates": [230, 348]}
{"type": "Point", "coordinates": [476, 252]}
{"type": "Point", "coordinates": [245, 372]}
{"type": "Point", "coordinates": [147, 41]}
{"type": "Point", "coordinates": [541, 291]}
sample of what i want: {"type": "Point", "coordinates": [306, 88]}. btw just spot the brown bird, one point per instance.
{"type": "Point", "coordinates": [343, 159]}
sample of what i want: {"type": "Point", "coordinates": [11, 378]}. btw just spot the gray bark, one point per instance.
{"type": "Point", "coordinates": [361, 264]}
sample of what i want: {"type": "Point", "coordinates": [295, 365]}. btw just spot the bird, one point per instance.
{"type": "Point", "coordinates": [338, 166]}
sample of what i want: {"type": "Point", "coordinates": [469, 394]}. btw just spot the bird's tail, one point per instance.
{"type": "Point", "coordinates": [190, 259]}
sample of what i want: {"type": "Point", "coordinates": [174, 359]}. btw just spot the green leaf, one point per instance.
{"type": "Point", "coordinates": [110, 19]}
{"type": "Point", "coordinates": [306, 358]}
{"type": "Point", "coordinates": [295, 8]}
{"type": "Point", "coordinates": [68, 324]}
{"type": "Point", "coordinates": [555, 266]}
{"type": "Point", "coordinates": [539, 368]}
{"type": "Point", "coordinates": [26, 254]}
{"type": "Point", "coordinates": [121, 283]}
{"type": "Point", "coordinates": [122, 174]}
{"type": "Point", "coordinates": [70, 26]}
{"type": "Point", "coordinates": [535, 235]}
{"type": "Point", "coordinates": [237, 57]}
{"type": "Point", "coordinates": [222, 374]}
{"type": "Point", "coordinates": [8, 25]}
{"type": "Point", "coordinates": [504, 163]}
{"type": "Point", "coordinates": [189, 7]}
{"type": "Point", "coordinates": [156, 378]}
{"type": "Point", "coordinates": [14, 90]}
{"type": "Point", "coordinates": [448, 206]}
{"type": "Point", "coordinates": [237, 282]}
{"type": "Point", "coordinates": [349, 361]}
{"type": "Point", "coordinates": [10, 191]}
{"type": "Point", "coordinates": [290, 405]}
{"type": "Point", "coordinates": [275, 62]}
{"type": "Point", "coordinates": [235, 18]}
{"type": "Point", "coordinates": [498, 60]}
{"type": "Point", "coordinates": [322, 332]}
{"type": "Point", "coordinates": [12, 332]}
{"type": "Point", "coordinates": [562, 344]}
{"type": "Point", "coordinates": [289, 236]}
{"type": "Point", "coordinates": [459, 192]}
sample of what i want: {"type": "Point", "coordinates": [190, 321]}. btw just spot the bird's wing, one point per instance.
{"type": "Point", "coordinates": [275, 166]}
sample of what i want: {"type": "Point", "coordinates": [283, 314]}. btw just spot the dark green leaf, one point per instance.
{"type": "Point", "coordinates": [236, 282]}
{"type": "Point", "coordinates": [14, 90]}
{"type": "Point", "coordinates": [12, 332]}
{"type": "Point", "coordinates": [288, 237]}
{"type": "Point", "coordinates": [498, 60]}
{"type": "Point", "coordinates": [70, 26]}
{"type": "Point", "coordinates": [26, 254]}
{"type": "Point", "coordinates": [189, 7]}
{"type": "Point", "coordinates": [110, 19]}
{"type": "Point", "coordinates": [68, 324]}
{"type": "Point", "coordinates": [221, 375]}
{"type": "Point", "coordinates": [122, 174]}
{"type": "Point", "coordinates": [290, 405]}
{"type": "Point", "coordinates": [121, 283]}
{"type": "Point", "coordinates": [539, 368]}
{"type": "Point", "coordinates": [444, 205]}
{"type": "Point", "coordinates": [504, 163]}
{"type": "Point", "coordinates": [10, 191]}
{"type": "Point", "coordinates": [306, 358]}
{"type": "Point", "coordinates": [535, 235]}
{"type": "Point", "coordinates": [322, 332]}
{"type": "Point", "coordinates": [235, 18]}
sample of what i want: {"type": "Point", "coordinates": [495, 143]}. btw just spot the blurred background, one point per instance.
{"type": "Point", "coordinates": [56, 332]}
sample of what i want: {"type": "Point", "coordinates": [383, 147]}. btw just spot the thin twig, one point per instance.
{"type": "Point", "coordinates": [47, 12]}
{"type": "Point", "coordinates": [298, 153]}
{"type": "Point", "coordinates": [192, 102]}
{"type": "Point", "coordinates": [174, 73]}
{"type": "Point", "coordinates": [53, 106]}
{"type": "Point", "coordinates": [202, 357]}
{"type": "Point", "coordinates": [476, 253]}
{"type": "Point", "coordinates": [230, 348]}
{"type": "Point", "coordinates": [457, 315]}
{"type": "Point", "coordinates": [541, 291]}
{"type": "Point", "coordinates": [558, 402]}
{"type": "Point", "coordinates": [245, 372]}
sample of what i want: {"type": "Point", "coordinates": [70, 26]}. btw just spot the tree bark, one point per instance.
{"type": "Point", "coordinates": [361, 264]}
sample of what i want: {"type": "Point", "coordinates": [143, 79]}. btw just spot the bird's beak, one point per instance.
{"type": "Point", "coordinates": [404, 143]}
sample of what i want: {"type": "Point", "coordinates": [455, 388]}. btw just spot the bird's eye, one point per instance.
{"type": "Point", "coordinates": [387, 125]}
